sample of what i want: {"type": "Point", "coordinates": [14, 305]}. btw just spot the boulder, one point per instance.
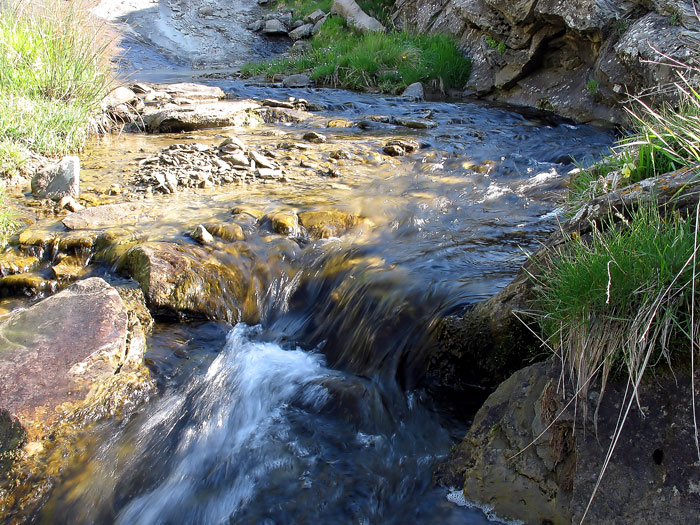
{"type": "Point", "coordinates": [356, 17]}
{"type": "Point", "coordinates": [55, 351]}
{"type": "Point", "coordinates": [304, 31]}
{"type": "Point", "coordinates": [186, 281]}
{"type": "Point", "coordinates": [117, 97]}
{"type": "Point", "coordinates": [191, 91]}
{"type": "Point", "coordinates": [322, 224]}
{"type": "Point", "coordinates": [414, 92]}
{"type": "Point", "coordinates": [202, 116]}
{"type": "Point", "coordinates": [58, 180]}
{"type": "Point", "coordinates": [315, 16]}
{"type": "Point", "coordinates": [297, 81]}
{"type": "Point", "coordinates": [274, 27]}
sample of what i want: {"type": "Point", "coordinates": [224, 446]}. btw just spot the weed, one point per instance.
{"type": "Point", "coordinates": [592, 86]}
{"type": "Point", "coordinates": [7, 223]}
{"type": "Point", "coordinates": [501, 48]}
{"type": "Point", "coordinates": [54, 72]}
{"type": "Point", "coordinates": [675, 18]}
{"type": "Point", "coordinates": [620, 25]}
{"type": "Point", "coordinates": [342, 57]}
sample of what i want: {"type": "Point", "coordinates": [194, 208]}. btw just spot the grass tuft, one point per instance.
{"type": "Point", "coordinates": [54, 71]}
{"type": "Point", "coordinates": [341, 57]}
{"type": "Point", "coordinates": [8, 225]}
{"type": "Point", "coordinates": [663, 140]}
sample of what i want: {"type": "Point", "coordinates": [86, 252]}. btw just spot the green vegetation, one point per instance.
{"type": "Point", "coordinates": [621, 300]}
{"type": "Point", "coordinates": [342, 57]}
{"type": "Point", "coordinates": [7, 223]}
{"type": "Point", "coordinates": [662, 140]}
{"type": "Point", "coordinates": [53, 74]}
{"type": "Point", "coordinates": [495, 44]}
{"type": "Point", "coordinates": [592, 86]}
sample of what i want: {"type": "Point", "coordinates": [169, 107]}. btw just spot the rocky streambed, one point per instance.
{"type": "Point", "coordinates": [267, 304]}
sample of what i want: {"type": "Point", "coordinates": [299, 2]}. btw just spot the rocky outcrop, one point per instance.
{"type": "Point", "coordinates": [527, 456]}
{"type": "Point", "coordinates": [579, 59]}
{"type": "Point", "coordinates": [171, 119]}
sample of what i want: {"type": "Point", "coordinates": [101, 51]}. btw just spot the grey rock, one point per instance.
{"type": "Point", "coordinates": [201, 235]}
{"type": "Point", "coordinates": [297, 81]}
{"type": "Point", "coordinates": [69, 203]}
{"type": "Point", "coordinates": [58, 180]}
{"type": "Point", "coordinates": [415, 123]}
{"type": "Point", "coordinates": [118, 96]}
{"type": "Point", "coordinates": [318, 25]}
{"type": "Point", "coordinates": [297, 24]}
{"type": "Point", "coordinates": [414, 92]}
{"type": "Point", "coordinates": [256, 26]}
{"type": "Point", "coordinates": [300, 32]}
{"type": "Point", "coordinates": [202, 116]}
{"type": "Point", "coordinates": [315, 16]}
{"type": "Point", "coordinates": [262, 160]}
{"type": "Point", "coordinates": [300, 47]}
{"type": "Point", "coordinates": [314, 137]}
{"type": "Point", "coordinates": [274, 27]}
{"type": "Point", "coordinates": [109, 215]}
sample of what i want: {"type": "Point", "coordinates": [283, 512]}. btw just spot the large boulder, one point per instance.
{"type": "Point", "coordinates": [186, 281]}
{"type": "Point", "coordinates": [58, 180]}
{"type": "Point", "coordinates": [579, 59]}
{"type": "Point", "coordinates": [171, 119]}
{"type": "Point", "coordinates": [530, 456]}
{"type": "Point", "coordinates": [57, 350]}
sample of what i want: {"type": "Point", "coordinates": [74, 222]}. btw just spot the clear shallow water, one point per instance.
{"type": "Point", "coordinates": [319, 413]}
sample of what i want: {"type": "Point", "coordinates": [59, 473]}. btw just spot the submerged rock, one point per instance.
{"type": "Point", "coordinates": [322, 224]}
{"type": "Point", "coordinates": [110, 215]}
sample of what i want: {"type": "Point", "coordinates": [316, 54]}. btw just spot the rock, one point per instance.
{"type": "Point", "coordinates": [315, 16]}
{"type": "Point", "coordinates": [297, 81]}
{"type": "Point", "coordinates": [415, 123]}
{"type": "Point", "coordinates": [271, 103]}
{"type": "Point", "coordinates": [68, 203]}
{"type": "Point", "coordinates": [12, 437]}
{"type": "Point", "coordinates": [262, 161]}
{"type": "Point", "coordinates": [202, 116]}
{"type": "Point", "coordinates": [68, 268]}
{"type": "Point", "coordinates": [58, 180]}
{"type": "Point", "coordinates": [300, 47]}
{"type": "Point", "coordinates": [487, 465]}
{"type": "Point", "coordinates": [339, 123]}
{"type": "Point", "coordinates": [55, 350]}
{"type": "Point", "coordinates": [118, 96]}
{"type": "Point", "coordinates": [233, 141]}
{"type": "Point", "coordinates": [226, 231]}
{"type": "Point", "coordinates": [323, 224]}
{"type": "Point", "coordinates": [541, 53]}
{"type": "Point", "coordinates": [267, 173]}
{"type": "Point", "coordinates": [201, 235]}
{"type": "Point", "coordinates": [236, 159]}
{"type": "Point", "coordinates": [399, 147]}
{"type": "Point", "coordinates": [300, 32]}
{"type": "Point", "coordinates": [414, 92]}
{"type": "Point", "coordinates": [285, 223]}
{"type": "Point", "coordinates": [191, 91]}
{"type": "Point", "coordinates": [256, 26]}
{"type": "Point", "coordinates": [318, 25]}
{"type": "Point", "coordinates": [274, 27]}
{"type": "Point", "coordinates": [186, 281]}
{"type": "Point", "coordinates": [248, 210]}
{"type": "Point", "coordinates": [394, 150]}
{"type": "Point", "coordinates": [12, 262]}
{"type": "Point", "coordinates": [314, 137]}
{"type": "Point", "coordinates": [356, 17]}
{"type": "Point", "coordinates": [109, 215]}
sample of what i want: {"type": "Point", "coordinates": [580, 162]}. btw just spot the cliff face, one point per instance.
{"type": "Point", "coordinates": [580, 59]}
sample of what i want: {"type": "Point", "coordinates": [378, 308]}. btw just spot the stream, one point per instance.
{"type": "Point", "coordinates": [311, 406]}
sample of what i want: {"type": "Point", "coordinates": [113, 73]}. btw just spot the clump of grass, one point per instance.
{"type": "Point", "coordinates": [12, 158]}
{"type": "Point", "coordinates": [54, 71]}
{"type": "Point", "coordinates": [623, 295]}
{"type": "Point", "coordinates": [342, 57]}
{"type": "Point", "coordinates": [8, 225]}
{"type": "Point", "coordinates": [663, 139]}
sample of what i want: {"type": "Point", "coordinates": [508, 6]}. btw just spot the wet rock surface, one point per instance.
{"type": "Point", "coordinates": [54, 351]}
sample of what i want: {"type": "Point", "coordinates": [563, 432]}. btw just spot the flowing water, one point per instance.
{"type": "Point", "coordinates": [316, 411]}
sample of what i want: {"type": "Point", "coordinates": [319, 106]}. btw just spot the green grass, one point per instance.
{"type": "Point", "coordinates": [53, 74]}
{"type": "Point", "coordinates": [341, 57]}
{"type": "Point", "coordinates": [8, 225]}
{"type": "Point", "coordinates": [663, 139]}
{"type": "Point", "coordinates": [620, 300]}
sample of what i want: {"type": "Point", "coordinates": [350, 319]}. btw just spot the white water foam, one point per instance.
{"type": "Point", "coordinates": [456, 496]}
{"type": "Point", "coordinates": [237, 402]}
